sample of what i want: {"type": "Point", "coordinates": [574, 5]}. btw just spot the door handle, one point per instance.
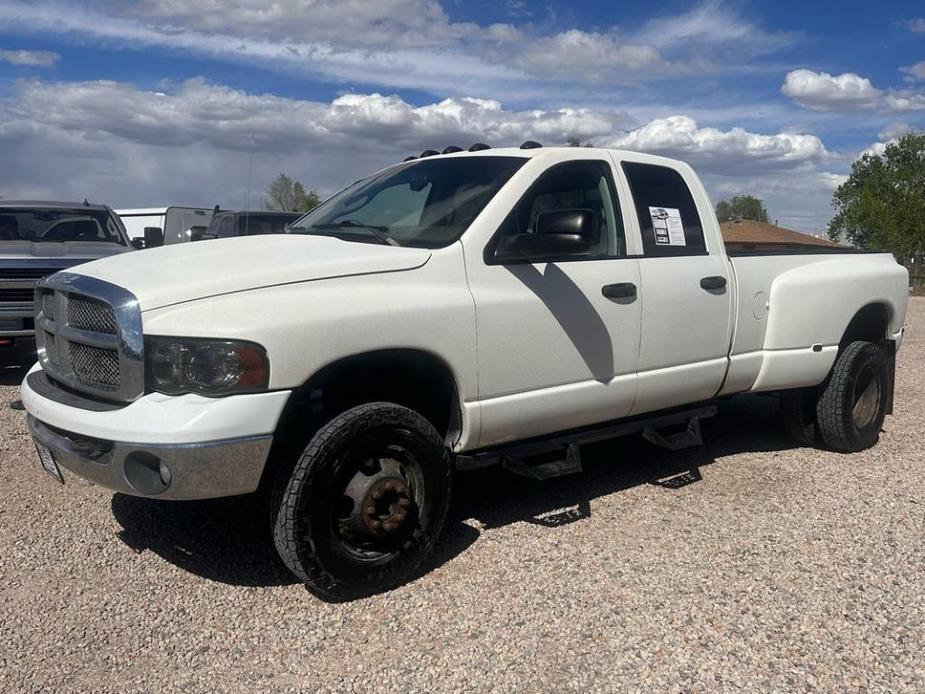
{"type": "Point", "coordinates": [621, 290]}
{"type": "Point", "coordinates": [716, 282]}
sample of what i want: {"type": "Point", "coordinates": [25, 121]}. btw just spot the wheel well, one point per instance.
{"type": "Point", "coordinates": [869, 324]}
{"type": "Point", "coordinates": [415, 379]}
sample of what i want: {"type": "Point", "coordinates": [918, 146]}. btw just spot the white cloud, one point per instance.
{"type": "Point", "coordinates": [894, 131]}
{"type": "Point", "coordinates": [588, 56]}
{"type": "Point", "coordinates": [916, 25]}
{"type": "Point", "coordinates": [30, 58]}
{"type": "Point", "coordinates": [188, 144]}
{"type": "Point", "coordinates": [712, 23]}
{"type": "Point", "coordinates": [888, 136]}
{"type": "Point", "coordinates": [877, 149]}
{"type": "Point", "coordinates": [914, 73]}
{"type": "Point", "coordinates": [820, 91]}
{"type": "Point", "coordinates": [351, 59]}
{"type": "Point", "coordinates": [831, 181]}
{"type": "Point", "coordinates": [406, 43]}
{"type": "Point", "coordinates": [905, 100]}
{"type": "Point", "coordinates": [396, 23]}
{"type": "Point", "coordinates": [728, 151]}
{"type": "Point", "coordinates": [199, 112]}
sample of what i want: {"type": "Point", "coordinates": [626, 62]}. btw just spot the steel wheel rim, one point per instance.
{"type": "Point", "coordinates": [376, 509]}
{"type": "Point", "coordinates": [866, 401]}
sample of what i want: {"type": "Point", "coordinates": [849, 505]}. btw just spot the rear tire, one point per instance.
{"type": "Point", "coordinates": [365, 502]}
{"type": "Point", "coordinates": [852, 402]}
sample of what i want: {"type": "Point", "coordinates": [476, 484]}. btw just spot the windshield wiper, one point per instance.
{"type": "Point", "coordinates": [380, 232]}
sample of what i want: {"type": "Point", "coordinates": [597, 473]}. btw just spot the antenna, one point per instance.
{"type": "Point", "coordinates": [247, 193]}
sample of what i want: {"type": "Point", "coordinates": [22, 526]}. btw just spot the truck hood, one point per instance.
{"type": "Point", "coordinates": [195, 270]}
{"type": "Point", "coordinates": [58, 251]}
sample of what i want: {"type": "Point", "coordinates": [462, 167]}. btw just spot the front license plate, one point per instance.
{"type": "Point", "coordinates": [47, 457]}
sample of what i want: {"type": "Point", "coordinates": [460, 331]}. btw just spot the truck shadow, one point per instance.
{"type": "Point", "coordinates": [225, 540]}
{"type": "Point", "coordinates": [495, 498]}
{"type": "Point", "coordinates": [228, 540]}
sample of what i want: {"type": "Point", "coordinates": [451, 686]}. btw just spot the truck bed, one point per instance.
{"type": "Point", "coordinates": [774, 347]}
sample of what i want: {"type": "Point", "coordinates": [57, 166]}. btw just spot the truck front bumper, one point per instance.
{"type": "Point", "coordinates": [168, 447]}
{"type": "Point", "coordinates": [182, 471]}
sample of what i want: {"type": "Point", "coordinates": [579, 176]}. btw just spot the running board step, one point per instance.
{"type": "Point", "coordinates": [551, 456]}
{"type": "Point", "coordinates": [675, 439]}
{"type": "Point", "coordinates": [544, 466]}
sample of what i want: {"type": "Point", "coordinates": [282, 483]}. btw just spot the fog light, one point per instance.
{"type": "Point", "coordinates": [165, 473]}
{"type": "Point", "coordinates": [146, 473]}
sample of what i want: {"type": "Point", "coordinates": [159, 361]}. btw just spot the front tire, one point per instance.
{"type": "Point", "coordinates": [365, 502]}
{"type": "Point", "coordinates": [852, 402]}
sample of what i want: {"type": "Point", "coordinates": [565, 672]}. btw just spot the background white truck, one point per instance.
{"type": "Point", "coordinates": [491, 306]}
{"type": "Point", "coordinates": [175, 224]}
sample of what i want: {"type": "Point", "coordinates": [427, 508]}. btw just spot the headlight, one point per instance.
{"type": "Point", "coordinates": [177, 365]}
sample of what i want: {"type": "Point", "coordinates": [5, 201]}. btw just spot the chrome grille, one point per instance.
{"type": "Point", "coordinates": [48, 305]}
{"type": "Point", "coordinates": [88, 334]}
{"type": "Point", "coordinates": [89, 314]}
{"type": "Point", "coordinates": [95, 366]}
{"type": "Point", "coordinates": [51, 347]}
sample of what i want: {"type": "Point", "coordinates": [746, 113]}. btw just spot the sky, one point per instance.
{"type": "Point", "coordinates": [204, 102]}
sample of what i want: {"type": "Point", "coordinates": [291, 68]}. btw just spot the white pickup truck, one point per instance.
{"type": "Point", "coordinates": [449, 312]}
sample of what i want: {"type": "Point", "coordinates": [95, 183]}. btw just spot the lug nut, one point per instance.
{"type": "Point", "coordinates": [389, 526]}
{"type": "Point", "coordinates": [370, 510]}
{"type": "Point", "coordinates": [376, 524]}
{"type": "Point", "coordinates": [377, 495]}
{"type": "Point", "coordinates": [404, 502]}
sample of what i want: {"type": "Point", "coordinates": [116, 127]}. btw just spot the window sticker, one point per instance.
{"type": "Point", "coordinates": [666, 223]}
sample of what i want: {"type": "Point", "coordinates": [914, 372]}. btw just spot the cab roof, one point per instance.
{"type": "Point", "coordinates": [576, 152]}
{"type": "Point", "coordinates": [51, 205]}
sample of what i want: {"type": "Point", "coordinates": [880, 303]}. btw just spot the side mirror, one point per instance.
{"type": "Point", "coordinates": [138, 243]}
{"type": "Point", "coordinates": [583, 225]}
{"type": "Point", "coordinates": [558, 233]}
{"type": "Point", "coordinates": [154, 236]}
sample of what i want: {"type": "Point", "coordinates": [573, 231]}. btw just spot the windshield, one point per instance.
{"type": "Point", "coordinates": [423, 203]}
{"type": "Point", "coordinates": [55, 225]}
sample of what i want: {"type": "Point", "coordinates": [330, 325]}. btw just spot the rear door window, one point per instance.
{"type": "Point", "coordinates": [668, 218]}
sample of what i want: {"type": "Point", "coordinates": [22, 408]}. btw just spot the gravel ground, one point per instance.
{"type": "Point", "coordinates": [746, 564]}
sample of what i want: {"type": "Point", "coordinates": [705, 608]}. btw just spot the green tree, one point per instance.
{"type": "Point", "coordinates": [288, 195]}
{"type": "Point", "coordinates": [741, 207]}
{"type": "Point", "coordinates": [881, 207]}
{"type": "Point", "coordinates": [577, 142]}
